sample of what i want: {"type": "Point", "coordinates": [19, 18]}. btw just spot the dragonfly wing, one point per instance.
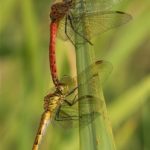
{"type": "Point", "coordinates": [95, 23]}
{"type": "Point", "coordinates": [99, 70]}
{"type": "Point", "coordinates": [90, 105]}
{"type": "Point", "coordinates": [64, 120]}
{"type": "Point", "coordinates": [98, 22]}
{"type": "Point", "coordinates": [61, 30]}
{"type": "Point", "coordinates": [69, 116]}
{"type": "Point", "coordinates": [90, 5]}
{"type": "Point", "coordinates": [65, 35]}
{"type": "Point", "coordinates": [101, 67]}
{"type": "Point", "coordinates": [71, 82]}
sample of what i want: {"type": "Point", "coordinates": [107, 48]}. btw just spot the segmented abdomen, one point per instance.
{"type": "Point", "coordinates": [45, 119]}
{"type": "Point", "coordinates": [52, 55]}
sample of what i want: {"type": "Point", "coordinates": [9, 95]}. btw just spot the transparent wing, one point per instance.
{"type": "Point", "coordinates": [91, 5]}
{"type": "Point", "coordinates": [95, 23]}
{"type": "Point", "coordinates": [101, 67]}
{"type": "Point", "coordinates": [65, 32]}
{"type": "Point", "coordinates": [68, 114]}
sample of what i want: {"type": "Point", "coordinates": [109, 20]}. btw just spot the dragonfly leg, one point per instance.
{"type": "Point", "coordinates": [66, 31]}
{"type": "Point", "coordinates": [69, 114]}
{"type": "Point", "coordinates": [73, 101]}
{"type": "Point", "coordinates": [57, 113]}
{"type": "Point", "coordinates": [77, 99]}
{"type": "Point", "coordinates": [72, 26]}
{"type": "Point", "coordinates": [72, 91]}
{"type": "Point", "coordinates": [63, 116]}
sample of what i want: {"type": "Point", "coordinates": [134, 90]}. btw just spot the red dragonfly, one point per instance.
{"type": "Point", "coordinates": [61, 106]}
{"type": "Point", "coordinates": [66, 22]}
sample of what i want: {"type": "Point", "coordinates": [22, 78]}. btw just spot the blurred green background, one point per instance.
{"type": "Point", "coordinates": [25, 78]}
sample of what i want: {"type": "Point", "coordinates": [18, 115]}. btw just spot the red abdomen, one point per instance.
{"type": "Point", "coordinates": [52, 55]}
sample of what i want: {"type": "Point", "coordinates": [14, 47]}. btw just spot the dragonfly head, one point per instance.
{"type": "Point", "coordinates": [58, 11]}
{"type": "Point", "coordinates": [63, 88]}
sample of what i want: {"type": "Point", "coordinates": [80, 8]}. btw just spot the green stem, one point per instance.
{"type": "Point", "coordinates": [98, 134]}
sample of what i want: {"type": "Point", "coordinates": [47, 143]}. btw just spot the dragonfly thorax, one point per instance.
{"type": "Point", "coordinates": [59, 10]}
{"type": "Point", "coordinates": [52, 101]}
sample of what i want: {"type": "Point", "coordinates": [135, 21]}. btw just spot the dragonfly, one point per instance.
{"type": "Point", "coordinates": [65, 23]}
{"type": "Point", "coordinates": [61, 106]}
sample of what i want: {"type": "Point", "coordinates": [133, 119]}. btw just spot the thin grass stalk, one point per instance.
{"type": "Point", "coordinates": [98, 134]}
{"type": "Point", "coordinates": [130, 102]}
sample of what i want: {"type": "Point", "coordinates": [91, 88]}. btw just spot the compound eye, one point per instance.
{"type": "Point", "coordinates": [61, 88]}
{"type": "Point", "coordinates": [53, 7]}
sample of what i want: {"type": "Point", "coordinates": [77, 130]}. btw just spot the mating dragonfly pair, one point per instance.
{"type": "Point", "coordinates": [61, 106]}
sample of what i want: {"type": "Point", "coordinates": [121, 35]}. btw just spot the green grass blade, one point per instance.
{"type": "Point", "coordinates": [6, 11]}
{"type": "Point", "coordinates": [128, 39]}
{"type": "Point", "coordinates": [127, 104]}
{"type": "Point", "coordinates": [98, 134]}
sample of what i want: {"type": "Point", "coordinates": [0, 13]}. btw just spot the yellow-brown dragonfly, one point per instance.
{"type": "Point", "coordinates": [61, 106]}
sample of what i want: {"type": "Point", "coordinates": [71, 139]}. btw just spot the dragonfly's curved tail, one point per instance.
{"type": "Point", "coordinates": [52, 55]}
{"type": "Point", "coordinates": [45, 118]}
